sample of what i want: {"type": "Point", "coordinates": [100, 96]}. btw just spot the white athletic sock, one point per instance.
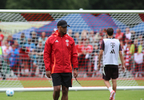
{"type": "Point", "coordinates": [114, 95]}
{"type": "Point", "coordinates": [110, 89]}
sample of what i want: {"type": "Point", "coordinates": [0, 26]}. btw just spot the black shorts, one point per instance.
{"type": "Point", "coordinates": [64, 79]}
{"type": "Point", "coordinates": [110, 71]}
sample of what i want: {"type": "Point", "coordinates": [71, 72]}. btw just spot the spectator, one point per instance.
{"type": "Point", "coordinates": [87, 50]}
{"type": "Point", "coordinates": [10, 40]}
{"type": "Point", "coordinates": [122, 46]}
{"type": "Point", "coordinates": [91, 36]}
{"type": "Point", "coordinates": [133, 36]}
{"type": "Point", "coordinates": [95, 59]}
{"type": "Point", "coordinates": [79, 47]}
{"type": "Point", "coordinates": [1, 37]}
{"type": "Point", "coordinates": [128, 33]}
{"type": "Point", "coordinates": [43, 38]}
{"type": "Point", "coordinates": [138, 58]}
{"type": "Point", "coordinates": [135, 47]}
{"type": "Point", "coordinates": [25, 61]}
{"type": "Point", "coordinates": [31, 57]}
{"type": "Point", "coordinates": [70, 33]}
{"type": "Point", "coordinates": [17, 46]}
{"type": "Point", "coordinates": [76, 37]}
{"type": "Point", "coordinates": [54, 30]}
{"type": "Point", "coordinates": [140, 46]}
{"type": "Point", "coordinates": [119, 35]}
{"type": "Point", "coordinates": [14, 59]}
{"type": "Point", "coordinates": [22, 40]}
{"type": "Point", "coordinates": [96, 42]}
{"type": "Point", "coordinates": [84, 35]}
{"type": "Point", "coordinates": [39, 52]}
{"type": "Point", "coordinates": [6, 48]}
{"type": "Point", "coordinates": [126, 43]}
{"type": "Point", "coordinates": [140, 38]}
{"type": "Point", "coordinates": [104, 33]}
{"type": "Point", "coordinates": [30, 45]}
{"type": "Point", "coordinates": [34, 38]}
{"type": "Point", "coordinates": [128, 56]}
{"type": "Point", "coordinates": [99, 35]}
{"type": "Point", "coordinates": [34, 68]}
{"type": "Point", "coordinates": [95, 50]}
{"type": "Point", "coordinates": [143, 51]}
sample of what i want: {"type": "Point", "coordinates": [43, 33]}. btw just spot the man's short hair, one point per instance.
{"type": "Point", "coordinates": [110, 31]}
{"type": "Point", "coordinates": [0, 30]}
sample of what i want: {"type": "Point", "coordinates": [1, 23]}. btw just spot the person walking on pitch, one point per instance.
{"type": "Point", "coordinates": [110, 50]}
{"type": "Point", "coordinates": [59, 55]}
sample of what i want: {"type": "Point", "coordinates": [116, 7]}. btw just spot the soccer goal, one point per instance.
{"type": "Point", "coordinates": [24, 32]}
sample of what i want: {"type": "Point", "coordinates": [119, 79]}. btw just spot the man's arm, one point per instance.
{"type": "Point", "coordinates": [122, 60]}
{"type": "Point", "coordinates": [100, 54]}
{"type": "Point", "coordinates": [47, 56]}
{"type": "Point", "coordinates": [99, 59]}
{"type": "Point", "coordinates": [74, 59]}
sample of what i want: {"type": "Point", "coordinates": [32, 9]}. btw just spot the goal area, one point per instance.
{"type": "Point", "coordinates": [23, 34]}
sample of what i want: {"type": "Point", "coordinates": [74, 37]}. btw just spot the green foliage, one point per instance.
{"type": "Point", "coordinates": [72, 4]}
{"type": "Point", "coordinates": [47, 4]}
{"type": "Point", "coordinates": [117, 4]}
{"type": "Point", "coordinates": [3, 4]}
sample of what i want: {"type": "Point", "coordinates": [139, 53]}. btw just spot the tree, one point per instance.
{"type": "Point", "coordinates": [72, 4]}
{"type": "Point", "coordinates": [3, 4]}
{"type": "Point", "coordinates": [117, 4]}
{"type": "Point", "coordinates": [47, 4]}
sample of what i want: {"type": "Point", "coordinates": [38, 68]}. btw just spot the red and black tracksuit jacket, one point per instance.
{"type": "Point", "coordinates": [60, 53]}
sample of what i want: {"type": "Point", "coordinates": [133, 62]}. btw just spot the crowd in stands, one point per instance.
{"type": "Point", "coordinates": [25, 55]}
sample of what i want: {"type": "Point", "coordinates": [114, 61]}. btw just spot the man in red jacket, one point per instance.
{"type": "Point", "coordinates": [59, 55]}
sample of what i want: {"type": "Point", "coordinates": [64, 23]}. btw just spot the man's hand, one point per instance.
{"type": "Point", "coordinates": [123, 68]}
{"type": "Point", "coordinates": [75, 73]}
{"type": "Point", "coordinates": [48, 74]}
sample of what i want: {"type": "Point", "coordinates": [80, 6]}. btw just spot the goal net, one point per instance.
{"type": "Point", "coordinates": [22, 40]}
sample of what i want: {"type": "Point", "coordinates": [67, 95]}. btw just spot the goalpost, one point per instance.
{"type": "Point", "coordinates": [24, 69]}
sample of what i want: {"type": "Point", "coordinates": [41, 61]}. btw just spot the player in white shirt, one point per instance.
{"type": "Point", "coordinates": [110, 50]}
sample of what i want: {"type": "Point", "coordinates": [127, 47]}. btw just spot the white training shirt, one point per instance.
{"type": "Point", "coordinates": [111, 48]}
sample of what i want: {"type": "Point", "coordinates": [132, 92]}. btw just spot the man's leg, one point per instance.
{"type": "Point", "coordinates": [114, 87]}
{"type": "Point", "coordinates": [112, 92]}
{"type": "Point", "coordinates": [114, 84]}
{"type": "Point", "coordinates": [56, 92]}
{"type": "Point", "coordinates": [107, 83]}
{"type": "Point", "coordinates": [64, 93]}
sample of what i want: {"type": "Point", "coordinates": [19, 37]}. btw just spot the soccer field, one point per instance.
{"type": "Point", "coordinates": [43, 82]}
{"type": "Point", "coordinates": [77, 95]}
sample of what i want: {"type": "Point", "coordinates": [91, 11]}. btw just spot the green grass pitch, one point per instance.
{"type": "Point", "coordinates": [46, 83]}
{"type": "Point", "coordinates": [77, 95]}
